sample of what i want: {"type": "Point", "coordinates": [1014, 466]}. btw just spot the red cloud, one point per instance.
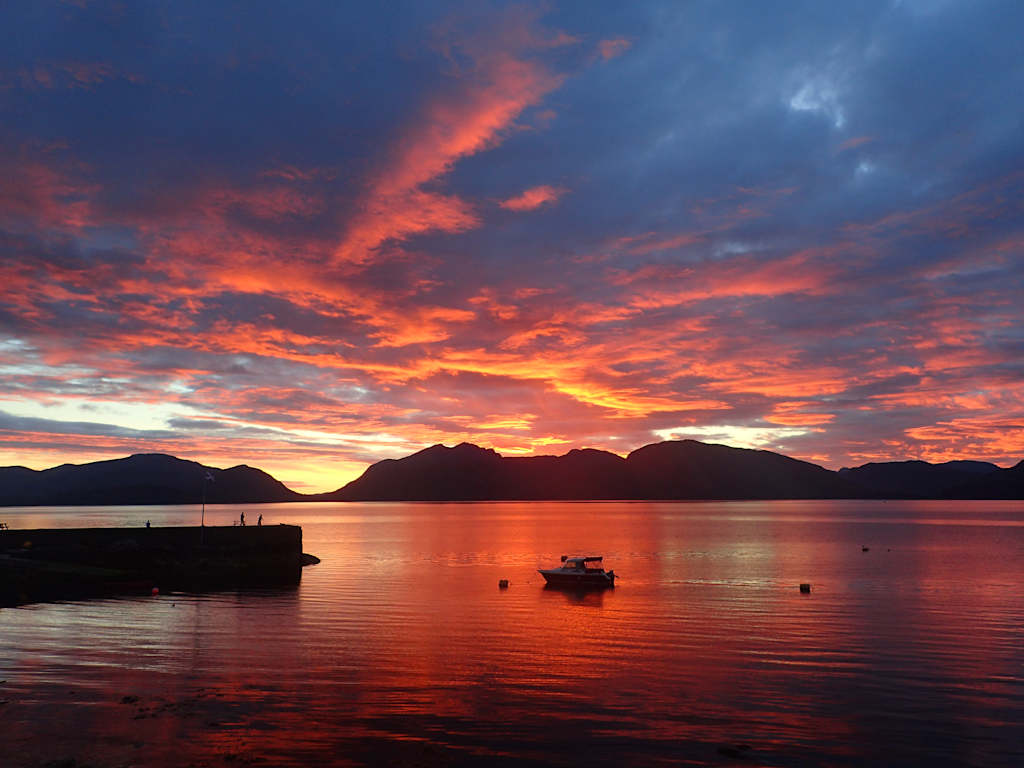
{"type": "Point", "coordinates": [483, 99]}
{"type": "Point", "coordinates": [609, 49]}
{"type": "Point", "coordinates": [651, 242]}
{"type": "Point", "coordinates": [85, 75]}
{"type": "Point", "coordinates": [856, 141]}
{"type": "Point", "coordinates": [532, 198]}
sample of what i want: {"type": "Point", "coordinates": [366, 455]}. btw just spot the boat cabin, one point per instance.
{"type": "Point", "coordinates": [584, 564]}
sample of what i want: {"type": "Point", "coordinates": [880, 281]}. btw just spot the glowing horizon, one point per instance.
{"type": "Point", "coordinates": [272, 241]}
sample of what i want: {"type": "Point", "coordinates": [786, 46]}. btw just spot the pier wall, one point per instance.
{"type": "Point", "coordinates": [65, 563]}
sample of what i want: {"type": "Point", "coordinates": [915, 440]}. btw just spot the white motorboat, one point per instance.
{"type": "Point", "coordinates": [579, 572]}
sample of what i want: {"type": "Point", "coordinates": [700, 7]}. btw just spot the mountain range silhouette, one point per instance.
{"type": "Point", "coordinates": [672, 470]}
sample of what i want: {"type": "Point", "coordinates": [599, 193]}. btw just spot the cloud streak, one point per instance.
{"type": "Point", "coordinates": [533, 198]}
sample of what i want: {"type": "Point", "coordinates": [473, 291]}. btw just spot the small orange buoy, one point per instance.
{"type": "Point", "coordinates": [156, 591]}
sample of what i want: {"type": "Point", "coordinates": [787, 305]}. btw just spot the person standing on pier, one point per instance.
{"type": "Point", "coordinates": [241, 519]}
{"type": "Point", "coordinates": [259, 520]}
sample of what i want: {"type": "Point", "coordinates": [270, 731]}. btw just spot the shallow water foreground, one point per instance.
{"type": "Point", "coordinates": [400, 648]}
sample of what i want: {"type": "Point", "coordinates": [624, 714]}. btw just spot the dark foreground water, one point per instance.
{"type": "Point", "coordinates": [400, 649]}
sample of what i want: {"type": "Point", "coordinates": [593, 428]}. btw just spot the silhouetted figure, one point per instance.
{"type": "Point", "coordinates": [259, 520]}
{"type": "Point", "coordinates": [147, 523]}
{"type": "Point", "coordinates": [241, 519]}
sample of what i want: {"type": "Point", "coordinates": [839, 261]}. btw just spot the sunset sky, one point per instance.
{"type": "Point", "coordinates": [307, 236]}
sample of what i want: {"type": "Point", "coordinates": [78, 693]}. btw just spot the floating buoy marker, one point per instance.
{"type": "Point", "coordinates": [155, 591]}
{"type": "Point", "coordinates": [805, 588]}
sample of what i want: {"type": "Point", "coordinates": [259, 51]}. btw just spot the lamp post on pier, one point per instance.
{"type": "Point", "coordinates": [207, 478]}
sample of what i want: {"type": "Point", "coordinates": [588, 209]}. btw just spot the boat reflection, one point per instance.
{"type": "Point", "coordinates": [577, 595]}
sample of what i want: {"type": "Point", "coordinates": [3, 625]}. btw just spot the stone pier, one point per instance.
{"type": "Point", "coordinates": [70, 563]}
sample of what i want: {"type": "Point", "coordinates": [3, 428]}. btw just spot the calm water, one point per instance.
{"type": "Point", "coordinates": [399, 647]}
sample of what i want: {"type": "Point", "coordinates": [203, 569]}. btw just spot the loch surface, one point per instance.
{"type": "Point", "coordinates": [400, 648]}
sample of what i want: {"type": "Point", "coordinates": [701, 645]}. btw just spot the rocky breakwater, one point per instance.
{"type": "Point", "coordinates": [70, 563]}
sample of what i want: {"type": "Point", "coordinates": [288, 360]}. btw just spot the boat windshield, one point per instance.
{"type": "Point", "coordinates": [582, 564]}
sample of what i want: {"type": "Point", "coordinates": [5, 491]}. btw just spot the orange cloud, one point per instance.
{"type": "Point", "coordinates": [798, 413]}
{"type": "Point", "coordinates": [485, 96]}
{"type": "Point", "coordinates": [970, 437]}
{"type": "Point", "coordinates": [268, 202]}
{"type": "Point", "coordinates": [533, 198]}
{"type": "Point", "coordinates": [811, 272]}
{"type": "Point", "coordinates": [611, 48]}
{"type": "Point", "coordinates": [49, 191]}
{"type": "Point", "coordinates": [642, 245]}
{"type": "Point", "coordinates": [856, 141]}
{"type": "Point", "coordinates": [84, 75]}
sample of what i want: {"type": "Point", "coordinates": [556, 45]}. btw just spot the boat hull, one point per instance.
{"type": "Point", "coordinates": [556, 578]}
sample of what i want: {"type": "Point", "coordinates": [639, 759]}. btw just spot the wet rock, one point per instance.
{"type": "Point", "coordinates": [737, 751]}
{"type": "Point", "coordinates": [123, 546]}
{"type": "Point", "coordinates": [239, 758]}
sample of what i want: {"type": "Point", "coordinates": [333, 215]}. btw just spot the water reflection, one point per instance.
{"type": "Point", "coordinates": [400, 648]}
{"type": "Point", "coordinates": [575, 596]}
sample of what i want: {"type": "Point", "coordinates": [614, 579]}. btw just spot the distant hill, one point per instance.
{"type": "Point", "coordinates": [433, 474]}
{"type": "Point", "coordinates": [470, 473]}
{"type": "Point", "coordinates": [688, 469]}
{"type": "Point", "coordinates": [674, 470]}
{"type": "Point", "coordinates": [1001, 484]}
{"type": "Point", "coordinates": [918, 479]}
{"type": "Point", "coordinates": [153, 478]}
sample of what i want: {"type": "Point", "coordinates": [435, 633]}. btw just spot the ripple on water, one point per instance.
{"type": "Point", "coordinates": [907, 654]}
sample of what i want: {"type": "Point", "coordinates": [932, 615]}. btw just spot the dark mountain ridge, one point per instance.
{"type": "Point", "coordinates": [1001, 484]}
{"type": "Point", "coordinates": [674, 470]}
{"type": "Point", "coordinates": [917, 479]}
{"type": "Point", "coordinates": [470, 473]}
{"type": "Point", "coordinates": [145, 478]}
{"type": "Point", "coordinates": [688, 469]}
